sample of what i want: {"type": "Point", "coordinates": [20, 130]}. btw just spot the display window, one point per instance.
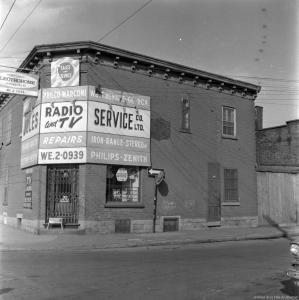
{"type": "Point", "coordinates": [123, 184]}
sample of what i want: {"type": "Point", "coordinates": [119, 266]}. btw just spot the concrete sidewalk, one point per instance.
{"type": "Point", "coordinates": [14, 239]}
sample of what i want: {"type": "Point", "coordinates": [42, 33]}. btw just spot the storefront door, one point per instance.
{"type": "Point", "coordinates": [62, 193]}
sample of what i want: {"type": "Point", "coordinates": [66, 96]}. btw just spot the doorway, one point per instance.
{"type": "Point", "coordinates": [214, 200]}
{"type": "Point", "coordinates": [62, 193]}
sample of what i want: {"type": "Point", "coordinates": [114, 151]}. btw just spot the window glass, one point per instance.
{"type": "Point", "coordinates": [123, 184]}
{"type": "Point", "coordinates": [231, 185]}
{"type": "Point", "coordinates": [229, 121]}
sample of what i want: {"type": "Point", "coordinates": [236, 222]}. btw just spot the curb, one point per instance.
{"type": "Point", "coordinates": [148, 244]}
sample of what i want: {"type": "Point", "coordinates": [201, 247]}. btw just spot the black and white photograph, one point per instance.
{"type": "Point", "coordinates": [149, 149]}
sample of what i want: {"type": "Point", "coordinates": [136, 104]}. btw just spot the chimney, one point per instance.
{"type": "Point", "coordinates": [258, 117]}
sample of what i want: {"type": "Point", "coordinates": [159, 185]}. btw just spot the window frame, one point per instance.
{"type": "Point", "coordinates": [234, 110]}
{"type": "Point", "coordinates": [119, 204]}
{"type": "Point", "coordinates": [231, 186]}
{"type": "Point", "coordinates": [185, 115]}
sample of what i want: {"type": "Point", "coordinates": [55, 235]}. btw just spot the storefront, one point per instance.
{"type": "Point", "coordinates": [106, 122]}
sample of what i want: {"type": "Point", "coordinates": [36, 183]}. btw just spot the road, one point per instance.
{"type": "Point", "coordinates": [234, 270]}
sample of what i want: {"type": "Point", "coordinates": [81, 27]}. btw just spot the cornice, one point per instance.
{"type": "Point", "coordinates": [143, 64]}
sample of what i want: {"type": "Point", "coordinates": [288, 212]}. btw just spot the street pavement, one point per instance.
{"type": "Point", "coordinates": [15, 239]}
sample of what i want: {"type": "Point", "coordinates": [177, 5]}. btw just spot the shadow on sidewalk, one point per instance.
{"type": "Point", "coordinates": [272, 223]}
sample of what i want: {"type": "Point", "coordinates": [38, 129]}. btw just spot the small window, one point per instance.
{"type": "Point", "coordinates": [185, 126]}
{"type": "Point", "coordinates": [231, 185]}
{"type": "Point", "coordinates": [228, 121]}
{"type": "Point", "coordinates": [122, 184]}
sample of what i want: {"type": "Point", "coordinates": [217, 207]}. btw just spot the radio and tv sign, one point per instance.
{"type": "Point", "coordinates": [76, 125]}
{"type": "Point", "coordinates": [18, 83]}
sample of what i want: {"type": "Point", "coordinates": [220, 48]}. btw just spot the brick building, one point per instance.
{"type": "Point", "coordinates": [104, 120]}
{"type": "Point", "coordinates": [278, 147]}
{"type": "Point", "coordinates": [278, 173]}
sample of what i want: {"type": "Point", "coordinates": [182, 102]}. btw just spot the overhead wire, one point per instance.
{"type": "Point", "coordinates": [19, 27]}
{"type": "Point", "coordinates": [11, 7]}
{"type": "Point", "coordinates": [125, 20]}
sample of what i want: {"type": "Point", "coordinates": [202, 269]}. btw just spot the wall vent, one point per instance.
{"type": "Point", "coordinates": [170, 224]}
{"type": "Point", "coordinates": [123, 226]}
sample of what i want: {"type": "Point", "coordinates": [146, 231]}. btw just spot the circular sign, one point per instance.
{"type": "Point", "coordinates": [122, 174]}
{"type": "Point", "coordinates": [160, 177]}
{"type": "Point", "coordinates": [65, 71]}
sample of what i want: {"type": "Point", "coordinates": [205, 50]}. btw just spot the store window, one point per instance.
{"type": "Point", "coordinates": [228, 121]}
{"type": "Point", "coordinates": [185, 126]}
{"type": "Point", "coordinates": [231, 185]}
{"type": "Point", "coordinates": [123, 184]}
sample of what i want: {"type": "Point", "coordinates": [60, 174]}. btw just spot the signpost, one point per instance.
{"type": "Point", "coordinates": [159, 175]}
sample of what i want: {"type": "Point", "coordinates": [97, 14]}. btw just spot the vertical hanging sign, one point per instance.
{"type": "Point", "coordinates": [65, 72]}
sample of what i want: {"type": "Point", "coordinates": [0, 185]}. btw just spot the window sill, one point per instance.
{"type": "Point", "coordinates": [123, 205]}
{"type": "Point", "coordinates": [185, 130]}
{"type": "Point", "coordinates": [232, 203]}
{"type": "Point", "coordinates": [230, 137]}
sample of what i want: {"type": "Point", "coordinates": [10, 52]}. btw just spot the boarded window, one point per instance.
{"type": "Point", "coordinates": [229, 121]}
{"type": "Point", "coordinates": [231, 185]}
{"type": "Point", "coordinates": [185, 114]}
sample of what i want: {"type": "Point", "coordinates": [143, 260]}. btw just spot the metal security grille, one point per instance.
{"type": "Point", "coordinates": [62, 193]}
{"type": "Point", "coordinates": [231, 185]}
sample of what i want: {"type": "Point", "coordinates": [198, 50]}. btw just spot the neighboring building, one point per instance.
{"type": "Point", "coordinates": [278, 173]}
{"type": "Point", "coordinates": [104, 117]}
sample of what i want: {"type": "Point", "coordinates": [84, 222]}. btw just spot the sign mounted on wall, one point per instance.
{"type": "Point", "coordinates": [65, 72]}
{"type": "Point", "coordinates": [19, 83]}
{"type": "Point", "coordinates": [76, 125]}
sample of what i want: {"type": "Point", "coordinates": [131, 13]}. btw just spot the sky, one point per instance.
{"type": "Point", "coordinates": [250, 40]}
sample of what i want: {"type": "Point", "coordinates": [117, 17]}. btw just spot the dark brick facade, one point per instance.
{"type": "Point", "coordinates": [184, 156]}
{"type": "Point", "coordinates": [279, 146]}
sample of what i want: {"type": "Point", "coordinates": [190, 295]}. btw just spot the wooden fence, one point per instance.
{"type": "Point", "coordinates": [278, 201]}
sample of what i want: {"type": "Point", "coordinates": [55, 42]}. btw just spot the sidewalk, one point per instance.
{"type": "Point", "coordinates": [14, 239]}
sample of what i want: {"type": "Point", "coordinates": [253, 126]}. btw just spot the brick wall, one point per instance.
{"type": "Point", "coordinates": [184, 156]}
{"type": "Point", "coordinates": [279, 146]}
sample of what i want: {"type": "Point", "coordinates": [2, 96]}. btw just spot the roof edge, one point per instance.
{"type": "Point", "coordinates": [60, 47]}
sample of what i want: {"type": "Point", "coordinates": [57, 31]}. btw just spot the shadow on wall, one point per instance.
{"type": "Point", "coordinates": [163, 188]}
{"type": "Point", "coordinates": [160, 129]}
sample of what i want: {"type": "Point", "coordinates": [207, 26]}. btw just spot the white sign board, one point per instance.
{"type": "Point", "coordinates": [65, 72]}
{"type": "Point", "coordinates": [62, 156]}
{"type": "Point", "coordinates": [63, 117]}
{"type": "Point", "coordinates": [115, 119]}
{"type": "Point", "coordinates": [19, 83]}
{"type": "Point", "coordinates": [122, 175]}
{"type": "Point", "coordinates": [31, 121]}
